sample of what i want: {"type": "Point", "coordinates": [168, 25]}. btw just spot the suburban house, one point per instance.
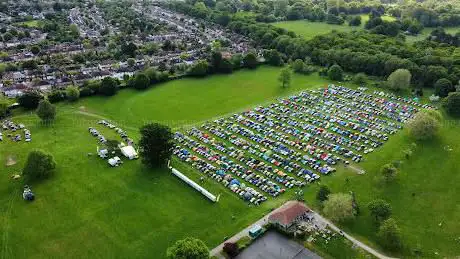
{"type": "Point", "coordinates": [289, 215]}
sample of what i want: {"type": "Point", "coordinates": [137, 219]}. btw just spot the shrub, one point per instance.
{"type": "Point", "coordinates": [56, 96]}
{"type": "Point", "coordinates": [323, 193]}
{"type": "Point", "coordinates": [360, 79]}
{"type": "Point", "coordinates": [39, 165]}
{"type": "Point", "coordinates": [231, 249]}
{"type": "Point", "coordinates": [389, 172]}
{"type": "Point", "coordinates": [141, 81]}
{"type": "Point", "coordinates": [72, 93]}
{"type": "Point", "coordinates": [399, 79]}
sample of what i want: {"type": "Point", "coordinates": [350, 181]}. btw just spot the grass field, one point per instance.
{"type": "Point", "coordinates": [31, 24]}
{"type": "Point", "coordinates": [90, 210]}
{"type": "Point", "coordinates": [309, 29]}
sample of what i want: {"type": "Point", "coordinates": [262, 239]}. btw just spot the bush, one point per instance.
{"type": "Point", "coordinates": [56, 96]}
{"type": "Point", "coordinates": [443, 87]}
{"type": "Point", "coordinates": [360, 79]}
{"type": "Point", "coordinates": [355, 21]}
{"type": "Point", "coordinates": [199, 69]}
{"type": "Point", "coordinates": [380, 209]}
{"type": "Point", "coordinates": [335, 72]}
{"type": "Point", "coordinates": [39, 165]}
{"type": "Point", "coordinates": [188, 248]}
{"type": "Point", "coordinates": [72, 93]}
{"type": "Point", "coordinates": [424, 126]}
{"type": "Point", "coordinates": [231, 249]}
{"type": "Point", "coordinates": [389, 172]}
{"type": "Point", "coordinates": [452, 104]}
{"type": "Point", "coordinates": [85, 91]}
{"type": "Point", "coordinates": [250, 60]}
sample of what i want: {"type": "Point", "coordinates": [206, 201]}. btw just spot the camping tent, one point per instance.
{"type": "Point", "coordinates": [129, 152]}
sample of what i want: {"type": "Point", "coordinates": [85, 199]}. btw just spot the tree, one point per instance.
{"type": "Point", "coordinates": [35, 49]}
{"type": "Point", "coordinates": [231, 249]}
{"type": "Point", "coordinates": [380, 209]}
{"type": "Point", "coordinates": [452, 104]}
{"type": "Point", "coordinates": [339, 207]}
{"type": "Point", "coordinates": [285, 77]}
{"type": "Point", "coordinates": [156, 144]}
{"type": "Point", "coordinates": [335, 72]}
{"type": "Point", "coordinates": [355, 21]}
{"type": "Point", "coordinates": [323, 193]}
{"type": "Point", "coordinates": [39, 165]}
{"type": "Point", "coordinates": [46, 111]}
{"type": "Point", "coordinates": [72, 93]}
{"type": "Point", "coordinates": [56, 96]}
{"type": "Point", "coordinates": [109, 86]}
{"type": "Point", "coordinates": [360, 79]}
{"type": "Point", "coordinates": [141, 81]}
{"type": "Point", "coordinates": [250, 60]}
{"type": "Point", "coordinates": [399, 79]}
{"type": "Point", "coordinates": [30, 99]}
{"type": "Point", "coordinates": [199, 69]}
{"type": "Point", "coordinates": [131, 62]}
{"type": "Point", "coordinates": [443, 87]}
{"type": "Point", "coordinates": [389, 172]}
{"type": "Point", "coordinates": [188, 248]}
{"type": "Point", "coordinates": [3, 106]}
{"type": "Point", "coordinates": [423, 126]}
{"type": "Point", "coordinates": [389, 235]}
{"type": "Point", "coordinates": [298, 66]}
{"type": "Point", "coordinates": [273, 57]}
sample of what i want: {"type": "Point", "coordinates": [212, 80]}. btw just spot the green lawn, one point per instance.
{"type": "Point", "coordinates": [309, 29]}
{"type": "Point", "coordinates": [90, 210]}
{"type": "Point", "coordinates": [426, 32]}
{"type": "Point", "coordinates": [31, 24]}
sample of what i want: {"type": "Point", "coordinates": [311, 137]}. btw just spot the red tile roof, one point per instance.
{"type": "Point", "coordinates": [287, 214]}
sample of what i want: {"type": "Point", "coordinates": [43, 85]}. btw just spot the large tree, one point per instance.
{"type": "Point", "coordinates": [399, 79]}
{"type": "Point", "coordinates": [389, 235]}
{"type": "Point", "coordinates": [339, 207]}
{"type": "Point", "coordinates": [423, 126]}
{"type": "Point", "coordinates": [39, 165]}
{"type": "Point", "coordinates": [250, 60]}
{"type": "Point", "coordinates": [109, 86]}
{"type": "Point", "coordinates": [452, 104]}
{"type": "Point", "coordinates": [141, 81]}
{"type": "Point", "coordinates": [156, 144]}
{"type": "Point", "coordinates": [443, 87]}
{"type": "Point", "coordinates": [323, 193]}
{"type": "Point", "coordinates": [30, 99]}
{"type": "Point", "coordinates": [188, 248]}
{"type": "Point", "coordinates": [335, 72]}
{"type": "Point", "coordinates": [46, 111]}
{"type": "Point", "coordinates": [285, 77]}
{"type": "Point", "coordinates": [380, 209]}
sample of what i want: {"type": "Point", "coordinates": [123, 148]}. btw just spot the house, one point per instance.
{"type": "Point", "coordinates": [289, 215]}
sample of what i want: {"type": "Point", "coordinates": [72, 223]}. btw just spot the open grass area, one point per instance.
{"type": "Point", "coordinates": [88, 210]}
{"type": "Point", "coordinates": [309, 29]}
{"type": "Point", "coordinates": [426, 32]}
{"type": "Point", "coordinates": [31, 24]}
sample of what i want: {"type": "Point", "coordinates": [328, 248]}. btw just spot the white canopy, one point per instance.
{"type": "Point", "coordinates": [129, 152]}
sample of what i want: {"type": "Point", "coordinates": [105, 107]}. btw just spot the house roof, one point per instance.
{"type": "Point", "coordinates": [287, 214]}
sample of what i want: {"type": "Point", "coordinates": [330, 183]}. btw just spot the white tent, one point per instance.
{"type": "Point", "coordinates": [129, 152]}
